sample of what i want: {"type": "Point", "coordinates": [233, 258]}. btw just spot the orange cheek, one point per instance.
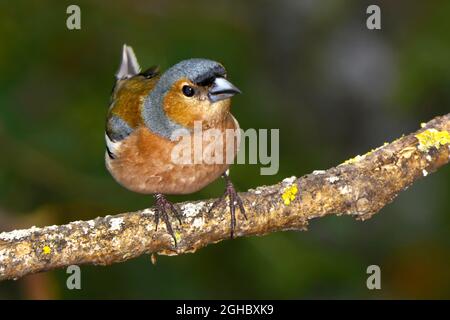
{"type": "Point", "coordinates": [179, 111]}
{"type": "Point", "coordinates": [185, 111]}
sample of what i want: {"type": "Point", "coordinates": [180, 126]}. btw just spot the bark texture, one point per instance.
{"type": "Point", "coordinates": [359, 187]}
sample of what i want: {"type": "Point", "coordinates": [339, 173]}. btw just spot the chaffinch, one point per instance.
{"type": "Point", "coordinates": [146, 111]}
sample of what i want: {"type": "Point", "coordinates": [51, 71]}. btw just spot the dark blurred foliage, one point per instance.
{"type": "Point", "coordinates": [311, 68]}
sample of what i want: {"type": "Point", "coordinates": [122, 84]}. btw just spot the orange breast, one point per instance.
{"type": "Point", "coordinates": [145, 162]}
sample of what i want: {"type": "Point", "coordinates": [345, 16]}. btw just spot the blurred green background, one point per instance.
{"type": "Point", "coordinates": [311, 68]}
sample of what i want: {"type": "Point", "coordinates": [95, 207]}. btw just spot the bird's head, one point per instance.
{"type": "Point", "coordinates": [195, 90]}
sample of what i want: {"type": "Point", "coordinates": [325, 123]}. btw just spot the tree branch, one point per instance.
{"type": "Point", "coordinates": [359, 187]}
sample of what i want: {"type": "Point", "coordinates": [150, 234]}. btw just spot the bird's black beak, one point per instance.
{"type": "Point", "coordinates": [222, 89]}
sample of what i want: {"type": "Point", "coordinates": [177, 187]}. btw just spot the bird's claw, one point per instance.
{"type": "Point", "coordinates": [234, 199]}
{"type": "Point", "coordinates": [162, 207]}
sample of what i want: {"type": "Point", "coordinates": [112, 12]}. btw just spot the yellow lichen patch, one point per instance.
{"type": "Point", "coordinates": [46, 250]}
{"type": "Point", "coordinates": [177, 236]}
{"type": "Point", "coordinates": [354, 160]}
{"type": "Point", "coordinates": [432, 138]}
{"type": "Point", "coordinates": [289, 194]}
{"type": "Point", "coordinates": [359, 157]}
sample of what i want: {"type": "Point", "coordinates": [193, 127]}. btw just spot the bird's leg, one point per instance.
{"type": "Point", "coordinates": [234, 200]}
{"type": "Point", "coordinates": [162, 207]}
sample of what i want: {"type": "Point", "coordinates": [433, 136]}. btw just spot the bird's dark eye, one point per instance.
{"type": "Point", "coordinates": [188, 91]}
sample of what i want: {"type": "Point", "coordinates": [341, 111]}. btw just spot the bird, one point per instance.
{"type": "Point", "coordinates": [147, 111]}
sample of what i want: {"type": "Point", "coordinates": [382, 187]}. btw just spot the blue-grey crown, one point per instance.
{"type": "Point", "coordinates": [198, 71]}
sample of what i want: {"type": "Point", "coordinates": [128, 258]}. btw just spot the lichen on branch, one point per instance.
{"type": "Point", "coordinates": [359, 187]}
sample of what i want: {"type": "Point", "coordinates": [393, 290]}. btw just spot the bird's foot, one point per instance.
{"type": "Point", "coordinates": [235, 201]}
{"type": "Point", "coordinates": [162, 207]}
